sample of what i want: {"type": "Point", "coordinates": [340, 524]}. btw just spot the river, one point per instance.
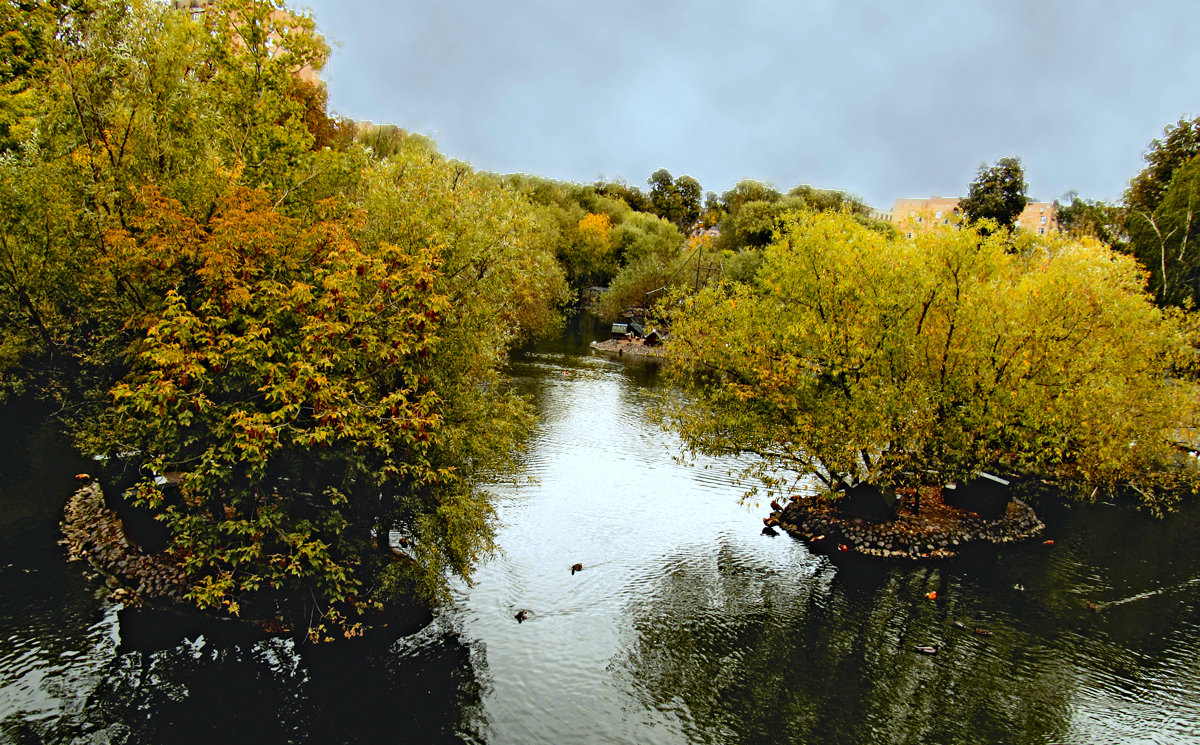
{"type": "Point", "coordinates": [684, 626]}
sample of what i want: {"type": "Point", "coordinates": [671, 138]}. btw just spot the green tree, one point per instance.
{"type": "Point", "coordinates": [689, 196]}
{"type": "Point", "coordinates": [748, 191]}
{"type": "Point", "coordinates": [1160, 205]}
{"type": "Point", "coordinates": [1180, 143]}
{"type": "Point", "coordinates": [997, 193]}
{"type": "Point", "coordinates": [1092, 218]}
{"type": "Point", "coordinates": [753, 212]}
{"type": "Point", "coordinates": [631, 195]}
{"type": "Point", "coordinates": [676, 200]}
{"type": "Point", "coordinates": [1167, 239]}
{"type": "Point", "coordinates": [859, 357]}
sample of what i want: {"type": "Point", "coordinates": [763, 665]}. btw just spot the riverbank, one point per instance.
{"type": "Point", "coordinates": [628, 347]}
{"type": "Point", "coordinates": [936, 531]}
{"type": "Point", "coordinates": [94, 534]}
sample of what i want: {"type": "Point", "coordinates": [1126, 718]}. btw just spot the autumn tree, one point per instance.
{"type": "Point", "coordinates": [281, 385]}
{"type": "Point", "coordinates": [997, 193]}
{"type": "Point", "coordinates": [587, 257]}
{"type": "Point", "coordinates": [857, 357]}
{"type": "Point", "coordinates": [306, 334]}
{"type": "Point", "coordinates": [26, 36]}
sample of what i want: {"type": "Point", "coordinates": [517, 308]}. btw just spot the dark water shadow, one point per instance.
{"type": "Point", "coordinates": [741, 655]}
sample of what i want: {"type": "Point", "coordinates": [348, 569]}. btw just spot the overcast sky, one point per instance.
{"type": "Point", "coordinates": [882, 99]}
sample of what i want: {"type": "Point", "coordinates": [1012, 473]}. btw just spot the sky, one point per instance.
{"type": "Point", "coordinates": [888, 99]}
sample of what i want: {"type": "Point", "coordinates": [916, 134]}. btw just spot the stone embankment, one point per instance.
{"type": "Point", "coordinates": [94, 533]}
{"type": "Point", "coordinates": [937, 531]}
{"type": "Point", "coordinates": [630, 348]}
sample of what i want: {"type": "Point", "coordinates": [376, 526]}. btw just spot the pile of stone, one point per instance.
{"type": "Point", "coordinates": [910, 536]}
{"type": "Point", "coordinates": [630, 347]}
{"type": "Point", "coordinates": [94, 534]}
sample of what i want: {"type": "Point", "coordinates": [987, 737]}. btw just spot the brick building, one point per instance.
{"type": "Point", "coordinates": [911, 215]}
{"type": "Point", "coordinates": [196, 9]}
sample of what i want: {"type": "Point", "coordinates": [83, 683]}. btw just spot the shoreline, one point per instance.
{"type": "Point", "coordinates": [938, 532]}
{"type": "Point", "coordinates": [631, 348]}
{"type": "Point", "coordinates": [94, 534]}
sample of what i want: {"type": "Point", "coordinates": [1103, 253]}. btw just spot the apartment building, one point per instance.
{"type": "Point", "coordinates": [196, 9]}
{"type": "Point", "coordinates": [912, 215]}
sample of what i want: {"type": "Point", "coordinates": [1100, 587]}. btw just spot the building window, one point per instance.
{"type": "Point", "coordinates": [918, 219]}
{"type": "Point", "coordinates": [908, 235]}
{"type": "Point", "coordinates": [1041, 231]}
{"type": "Point", "coordinates": [1043, 219]}
{"type": "Point", "coordinates": [938, 214]}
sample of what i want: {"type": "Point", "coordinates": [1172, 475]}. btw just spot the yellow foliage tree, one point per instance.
{"type": "Point", "coordinates": [854, 357]}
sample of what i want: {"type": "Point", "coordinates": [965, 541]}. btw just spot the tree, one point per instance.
{"type": "Point", "coordinates": [997, 193]}
{"type": "Point", "coordinates": [1180, 143]}
{"type": "Point", "coordinates": [308, 339]}
{"type": "Point", "coordinates": [689, 195]}
{"type": "Point", "coordinates": [753, 212]}
{"type": "Point", "coordinates": [26, 32]}
{"type": "Point", "coordinates": [1167, 239]}
{"type": "Point", "coordinates": [856, 357]}
{"type": "Point", "coordinates": [647, 279]}
{"type": "Point", "coordinates": [1160, 214]}
{"type": "Point", "coordinates": [676, 200]}
{"type": "Point", "coordinates": [828, 199]}
{"type": "Point", "coordinates": [283, 385]}
{"type": "Point", "coordinates": [713, 212]}
{"type": "Point", "coordinates": [588, 257]}
{"type": "Point", "coordinates": [631, 195]}
{"type": "Point", "coordinates": [1092, 218]}
{"type": "Point", "coordinates": [748, 191]}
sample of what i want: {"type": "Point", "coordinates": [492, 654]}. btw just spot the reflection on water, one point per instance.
{"type": "Point", "coordinates": [685, 625]}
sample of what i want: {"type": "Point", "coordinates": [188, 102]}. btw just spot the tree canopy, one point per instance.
{"type": "Point", "coordinates": [306, 333]}
{"type": "Point", "coordinates": [1160, 218]}
{"type": "Point", "coordinates": [997, 193]}
{"type": "Point", "coordinates": [1179, 144]}
{"type": "Point", "coordinates": [857, 357]}
{"type": "Point", "coordinates": [676, 200]}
